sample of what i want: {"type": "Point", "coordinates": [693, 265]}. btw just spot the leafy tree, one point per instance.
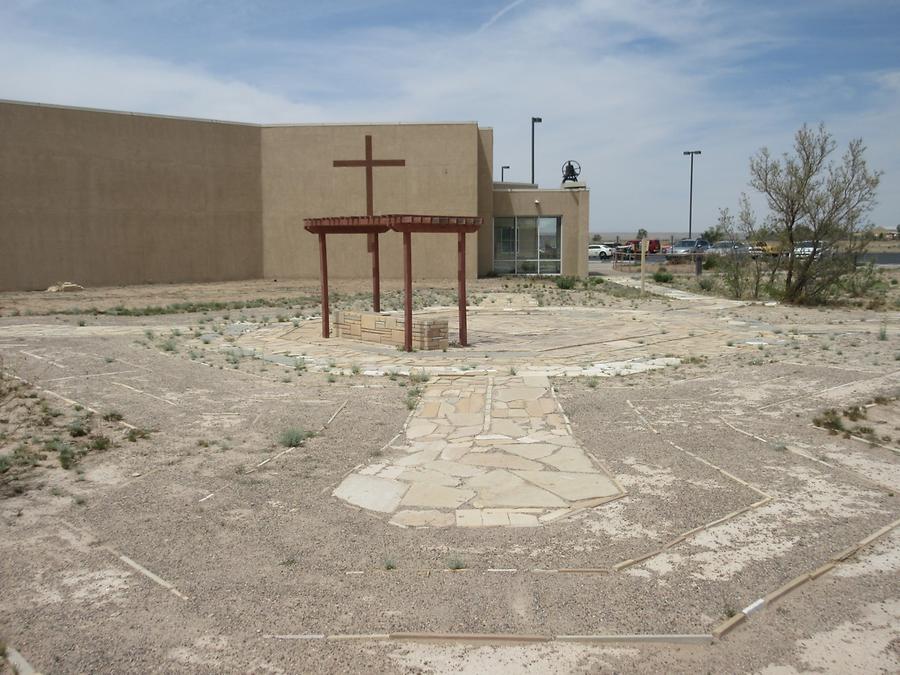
{"type": "Point", "coordinates": [642, 233]}
{"type": "Point", "coordinates": [717, 232]}
{"type": "Point", "coordinates": [813, 198]}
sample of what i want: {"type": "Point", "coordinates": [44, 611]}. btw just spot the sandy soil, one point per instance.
{"type": "Point", "coordinates": [210, 546]}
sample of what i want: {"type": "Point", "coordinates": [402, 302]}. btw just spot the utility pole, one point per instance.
{"type": "Point", "coordinates": [534, 120]}
{"type": "Point", "coordinates": [691, 198]}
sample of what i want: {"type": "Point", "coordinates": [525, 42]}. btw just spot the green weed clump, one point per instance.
{"type": "Point", "coordinates": [566, 283]}
{"type": "Point", "coordinates": [855, 413]}
{"type": "Point", "coordinates": [830, 419]}
{"type": "Point", "coordinates": [68, 454]}
{"type": "Point", "coordinates": [293, 437]}
{"type": "Point", "coordinates": [100, 443]}
{"type": "Point", "coordinates": [134, 435]}
{"type": "Point", "coordinates": [418, 377]}
{"type": "Point", "coordinates": [662, 276]}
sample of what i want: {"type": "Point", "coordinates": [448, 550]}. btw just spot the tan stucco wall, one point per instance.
{"type": "Point", "coordinates": [299, 181]}
{"type": "Point", "coordinates": [485, 200]}
{"type": "Point", "coordinates": [107, 198]}
{"type": "Point", "coordinates": [104, 198]}
{"type": "Point", "coordinates": [572, 205]}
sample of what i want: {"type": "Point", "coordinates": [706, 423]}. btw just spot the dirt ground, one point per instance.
{"type": "Point", "coordinates": [755, 443]}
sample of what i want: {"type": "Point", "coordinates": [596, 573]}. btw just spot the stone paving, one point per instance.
{"type": "Point", "coordinates": [482, 451]}
{"type": "Point", "coordinates": [570, 342]}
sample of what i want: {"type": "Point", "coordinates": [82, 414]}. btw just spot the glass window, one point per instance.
{"type": "Point", "coordinates": [549, 267]}
{"type": "Point", "coordinates": [527, 236]}
{"type": "Point", "coordinates": [548, 238]}
{"type": "Point", "coordinates": [527, 245]}
{"type": "Point", "coordinates": [504, 239]}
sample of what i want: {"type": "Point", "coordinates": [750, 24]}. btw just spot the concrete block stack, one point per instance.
{"type": "Point", "coordinates": [388, 330]}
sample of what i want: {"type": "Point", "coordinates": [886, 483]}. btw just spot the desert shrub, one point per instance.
{"type": "Point", "coordinates": [134, 435]}
{"type": "Point", "coordinates": [418, 377]}
{"type": "Point", "coordinates": [68, 455]}
{"type": "Point", "coordinates": [292, 437]}
{"type": "Point", "coordinates": [100, 443]}
{"type": "Point", "coordinates": [79, 427]}
{"type": "Point", "coordinates": [566, 283]}
{"type": "Point", "coordinates": [830, 419]}
{"type": "Point", "coordinates": [706, 283]}
{"type": "Point", "coordinates": [662, 276]}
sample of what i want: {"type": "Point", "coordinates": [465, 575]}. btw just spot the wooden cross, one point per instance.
{"type": "Point", "coordinates": [372, 239]}
{"type": "Point", "coordinates": [369, 163]}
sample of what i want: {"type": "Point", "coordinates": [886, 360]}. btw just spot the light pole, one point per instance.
{"type": "Point", "coordinates": [502, 170]}
{"type": "Point", "coordinates": [691, 198]}
{"type": "Point", "coordinates": [534, 120]}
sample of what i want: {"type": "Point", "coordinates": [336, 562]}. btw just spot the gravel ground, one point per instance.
{"type": "Point", "coordinates": [260, 550]}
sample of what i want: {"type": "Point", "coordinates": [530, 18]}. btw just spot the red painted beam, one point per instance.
{"type": "Point", "coordinates": [407, 291]}
{"type": "Point", "coordinates": [461, 273]}
{"type": "Point", "coordinates": [323, 269]}
{"type": "Point", "coordinates": [376, 276]}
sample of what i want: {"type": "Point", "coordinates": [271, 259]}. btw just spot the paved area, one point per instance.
{"type": "Point", "coordinates": [483, 451]}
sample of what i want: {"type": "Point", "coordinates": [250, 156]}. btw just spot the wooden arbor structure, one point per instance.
{"type": "Point", "coordinates": [372, 226]}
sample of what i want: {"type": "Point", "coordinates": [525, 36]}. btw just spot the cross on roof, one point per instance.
{"type": "Point", "coordinates": [369, 163]}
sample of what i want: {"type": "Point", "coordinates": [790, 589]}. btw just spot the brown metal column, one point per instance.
{"type": "Point", "coordinates": [461, 281]}
{"type": "Point", "coordinates": [407, 291]}
{"type": "Point", "coordinates": [323, 270]}
{"type": "Point", "coordinates": [376, 275]}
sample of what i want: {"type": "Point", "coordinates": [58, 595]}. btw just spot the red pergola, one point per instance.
{"type": "Point", "coordinates": [407, 225]}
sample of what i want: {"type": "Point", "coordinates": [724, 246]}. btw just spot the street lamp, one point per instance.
{"type": "Point", "coordinates": [534, 120]}
{"type": "Point", "coordinates": [691, 198]}
{"type": "Point", "coordinates": [502, 169]}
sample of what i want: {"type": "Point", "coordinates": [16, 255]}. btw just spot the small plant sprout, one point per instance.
{"type": "Point", "coordinates": [456, 564]}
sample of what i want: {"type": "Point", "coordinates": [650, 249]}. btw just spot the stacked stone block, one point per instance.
{"type": "Point", "coordinates": [388, 330]}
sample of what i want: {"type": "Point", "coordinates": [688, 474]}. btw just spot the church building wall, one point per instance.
{"type": "Point", "coordinates": [103, 198]}
{"type": "Point", "coordinates": [299, 179]}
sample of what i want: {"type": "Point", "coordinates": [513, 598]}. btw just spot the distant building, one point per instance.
{"type": "Point", "coordinates": [107, 198]}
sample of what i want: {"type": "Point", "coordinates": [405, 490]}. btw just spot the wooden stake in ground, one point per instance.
{"type": "Point", "coordinates": [643, 261]}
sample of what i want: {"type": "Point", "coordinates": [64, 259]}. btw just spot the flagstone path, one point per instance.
{"type": "Point", "coordinates": [481, 451]}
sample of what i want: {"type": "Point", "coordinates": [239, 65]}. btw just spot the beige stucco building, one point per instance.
{"type": "Point", "coordinates": [109, 198]}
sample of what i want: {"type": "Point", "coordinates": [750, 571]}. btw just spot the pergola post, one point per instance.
{"type": "Point", "coordinates": [407, 291]}
{"type": "Point", "coordinates": [376, 275]}
{"type": "Point", "coordinates": [323, 269]}
{"type": "Point", "coordinates": [461, 282]}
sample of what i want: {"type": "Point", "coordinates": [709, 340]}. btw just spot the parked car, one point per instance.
{"type": "Point", "coordinates": [653, 245]}
{"type": "Point", "coordinates": [688, 247]}
{"type": "Point", "coordinates": [804, 249]}
{"type": "Point", "coordinates": [766, 248]}
{"type": "Point", "coordinates": [601, 251]}
{"type": "Point", "coordinates": [729, 248]}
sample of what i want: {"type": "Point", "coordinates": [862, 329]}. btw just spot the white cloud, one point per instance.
{"type": "Point", "coordinates": [622, 87]}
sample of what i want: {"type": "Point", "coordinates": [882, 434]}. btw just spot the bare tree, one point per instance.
{"type": "Point", "coordinates": [733, 263]}
{"type": "Point", "coordinates": [815, 200]}
{"type": "Point", "coordinates": [752, 232]}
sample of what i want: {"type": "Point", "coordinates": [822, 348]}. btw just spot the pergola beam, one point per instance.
{"type": "Point", "coordinates": [406, 225]}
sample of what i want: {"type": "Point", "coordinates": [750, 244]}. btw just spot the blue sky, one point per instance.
{"type": "Point", "coordinates": [623, 87]}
